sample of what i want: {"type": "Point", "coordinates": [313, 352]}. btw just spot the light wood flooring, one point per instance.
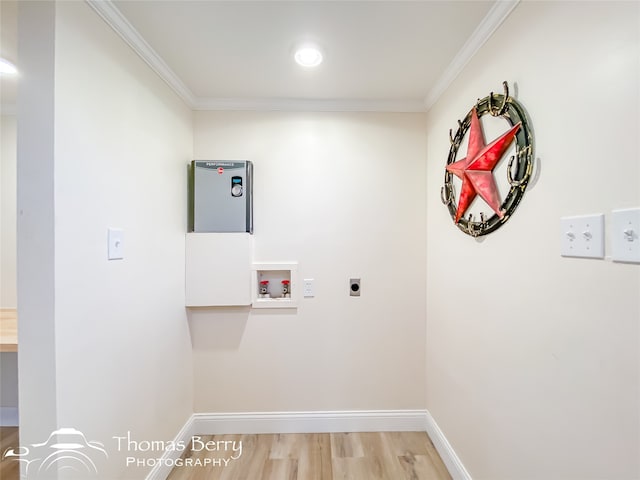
{"type": "Point", "coordinates": [309, 456]}
{"type": "Point", "coordinates": [316, 456]}
{"type": "Point", "coordinates": [9, 469]}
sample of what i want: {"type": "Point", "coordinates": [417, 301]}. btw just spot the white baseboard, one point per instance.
{"type": "Point", "coordinates": [448, 455]}
{"type": "Point", "coordinates": [313, 422]}
{"type": "Point", "coordinates": [310, 422]}
{"type": "Point", "coordinates": [9, 416]}
{"type": "Point", "coordinates": [163, 468]}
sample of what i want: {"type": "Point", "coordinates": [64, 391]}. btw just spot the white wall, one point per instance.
{"type": "Point", "coordinates": [8, 211]}
{"type": "Point", "coordinates": [343, 195]}
{"type": "Point", "coordinates": [8, 360]}
{"type": "Point", "coordinates": [9, 387]}
{"type": "Point", "coordinates": [35, 224]}
{"type": "Point", "coordinates": [122, 140]}
{"type": "Point", "coordinates": [532, 359]}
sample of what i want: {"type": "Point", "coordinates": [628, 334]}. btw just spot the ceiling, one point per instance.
{"type": "Point", "coordinates": [379, 55]}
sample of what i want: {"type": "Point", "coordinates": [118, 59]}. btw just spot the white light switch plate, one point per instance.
{"type": "Point", "coordinates": [582, 236]}
{"type": "Point", "coordinates": [625, 235]}
{"type": "Point", "coordinates": [115, 241]}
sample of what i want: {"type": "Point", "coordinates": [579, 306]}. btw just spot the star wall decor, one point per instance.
{"type": "Point", "coordinates": [476, 170]}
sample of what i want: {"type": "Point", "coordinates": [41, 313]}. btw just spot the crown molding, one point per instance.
{"type": "Point", "coordinates": [490, 23]}
{"type": "Point", "coordinates": [308, 105]}
{"type": "Point", "coordinates": [114, 18]}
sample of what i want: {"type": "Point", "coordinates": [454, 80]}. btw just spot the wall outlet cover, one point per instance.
{"type": "Point", "coordinates": [307, 288]}
{"type": "Point", "coordinates": [354, 287]}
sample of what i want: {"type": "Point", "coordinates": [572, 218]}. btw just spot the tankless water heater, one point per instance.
{"type": "Point", "coordinates": [221, 196]}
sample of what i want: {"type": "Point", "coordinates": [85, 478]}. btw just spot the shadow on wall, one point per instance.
{"type": "Point", "coordinates": [222, 328]}
{"type": "Point", "coordinates": [217, 328]}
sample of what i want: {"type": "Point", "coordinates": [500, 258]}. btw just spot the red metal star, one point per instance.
{"type": "Point", "coordinates": [476, 169]}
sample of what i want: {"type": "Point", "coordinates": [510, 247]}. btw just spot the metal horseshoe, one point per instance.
{"type": "Point", "coordinates": [503, 107]}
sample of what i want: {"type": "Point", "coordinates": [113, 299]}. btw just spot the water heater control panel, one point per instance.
{"type": "Point", "coordinates": [221, 196]}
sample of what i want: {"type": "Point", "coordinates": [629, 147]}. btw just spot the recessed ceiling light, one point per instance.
{"type": "Point", "coordinates": [308, 55]}
{"type": "Point", "coordinates": [6, 67]}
